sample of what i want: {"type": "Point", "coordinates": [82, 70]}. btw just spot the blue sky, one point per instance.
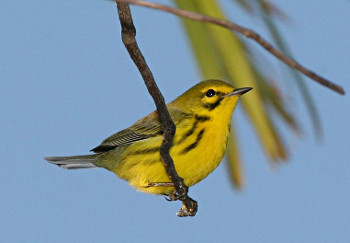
{"type": "Point", "coordinates": [66, 83]}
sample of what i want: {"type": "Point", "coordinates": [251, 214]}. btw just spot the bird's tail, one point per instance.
{"type": "Point", "coordinates": [73, 162]}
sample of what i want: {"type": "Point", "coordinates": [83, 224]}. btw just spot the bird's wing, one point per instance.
{"type": "Point", "coordinates": [144, 128]}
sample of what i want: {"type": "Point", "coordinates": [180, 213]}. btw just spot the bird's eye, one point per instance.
{"type": "Point", "coordinates": [210, 93]}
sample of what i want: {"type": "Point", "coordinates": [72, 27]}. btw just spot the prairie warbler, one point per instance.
{"type": "Point", "coordinates": [202, 117]}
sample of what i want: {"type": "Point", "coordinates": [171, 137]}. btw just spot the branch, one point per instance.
{"type": "Point", "coordinates": [128, 36]}
{"type": "Point", "coordinates": [245, 32]}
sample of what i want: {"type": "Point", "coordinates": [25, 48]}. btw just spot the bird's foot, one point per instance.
{"type": "Point", "coordinates": [173, 196]}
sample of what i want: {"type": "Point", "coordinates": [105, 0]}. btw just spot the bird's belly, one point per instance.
{"type": "Point", "coordinates": [196, 164]}
{"type": "Point", "coordinates": [194, 160]}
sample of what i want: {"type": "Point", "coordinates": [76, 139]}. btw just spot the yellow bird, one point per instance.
{"type": "Point", "coordinates": [202, 116]}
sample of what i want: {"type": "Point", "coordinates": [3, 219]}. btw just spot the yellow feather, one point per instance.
{"type": "Point", "coordinates": [202, 117]}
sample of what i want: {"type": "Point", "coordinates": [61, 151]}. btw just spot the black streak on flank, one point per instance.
{"type": "Point", "coordinates": [212, 106]}
{"type": "Point", "coordinates": [189, 132]}
{"type": "Point", "coordinates": [147, 151]}
{"type": "Point", "coordinates": [202, 118]}
{"type": "Point", "coordinates": [193, 128]}
{"type": "Point", "coordinates": [195, 144]}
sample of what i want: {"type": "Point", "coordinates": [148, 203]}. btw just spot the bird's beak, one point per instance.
{"type": "Point", "coordinates": [239, 91]}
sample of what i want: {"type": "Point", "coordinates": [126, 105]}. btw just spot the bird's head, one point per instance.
{"type": "Point", "coordinates": [210, 97]}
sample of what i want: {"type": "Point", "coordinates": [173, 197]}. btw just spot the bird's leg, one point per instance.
{"type": "Point", "coordinates": [189, 207]}
{"type": "Point", "coordinates": [157, 184]}
{"type": "Point", "coordinates": [173, 196]}
{"type": "Point", "coordinates": [170, 197]}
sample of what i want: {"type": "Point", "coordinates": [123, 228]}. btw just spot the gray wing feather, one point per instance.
{"type": "Point", "coordinates": [144, 128]}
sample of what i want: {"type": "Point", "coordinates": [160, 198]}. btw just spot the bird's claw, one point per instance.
{"type": "Point", "coordinates": [190, 206]}
{"type": "Point", "coordinates": [174, 196]}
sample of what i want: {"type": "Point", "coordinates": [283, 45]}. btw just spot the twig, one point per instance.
{"type": "Point", "coordinates": [243, 31]}
{"type": "Point", "coordinates": [128, 36]}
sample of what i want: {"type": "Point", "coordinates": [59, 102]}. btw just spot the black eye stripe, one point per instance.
{"type": "Point", "coordinates": [214, 102]}
{"type": "Point", "coordinates": [218, 93]}
{"type": "Point", "coordinates": [212, 106]}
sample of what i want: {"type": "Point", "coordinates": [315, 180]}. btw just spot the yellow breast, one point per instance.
{"type": "Point", "coordinates": [198, 147]}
